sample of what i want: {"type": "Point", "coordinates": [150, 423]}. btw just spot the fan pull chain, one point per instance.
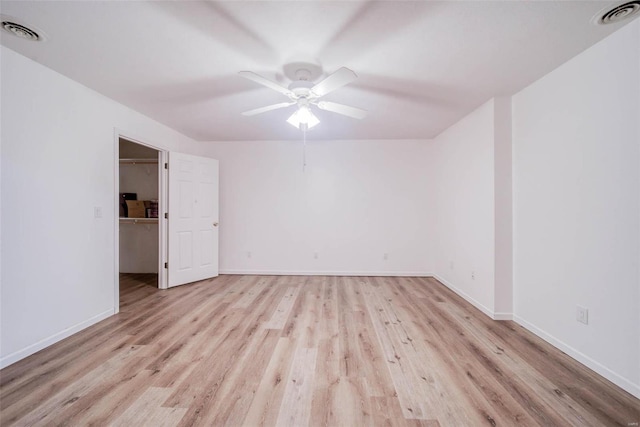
{"type": "Point", "coordinates": [304, 148]}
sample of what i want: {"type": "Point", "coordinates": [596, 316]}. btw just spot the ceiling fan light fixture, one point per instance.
{"type": "Point", "coordinates": [303, 116]}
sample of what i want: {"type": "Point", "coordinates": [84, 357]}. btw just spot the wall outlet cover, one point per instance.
{"type": "Point", "coordinates": [582, 314]}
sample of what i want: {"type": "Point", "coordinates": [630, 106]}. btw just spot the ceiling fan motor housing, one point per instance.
{"type": "Point", "coordinates": [302, 71]}
{"type": "Point", "coordinates": [301, 88]}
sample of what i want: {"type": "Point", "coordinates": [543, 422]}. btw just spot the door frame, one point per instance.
{"type": "Point", "coordinates": [162, 209]}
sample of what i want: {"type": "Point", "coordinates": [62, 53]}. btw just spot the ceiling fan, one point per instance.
{"type": "Point", "coordinates": [304, 93]}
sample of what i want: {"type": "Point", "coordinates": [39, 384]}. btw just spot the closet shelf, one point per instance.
{"type": "Point", "coordinates": [138, 220]}
{"type": "Point", "coordinates": [138, 161]}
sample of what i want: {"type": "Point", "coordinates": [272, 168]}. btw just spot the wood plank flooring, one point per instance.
{"type": "Point", "coordinates": [295, 351]}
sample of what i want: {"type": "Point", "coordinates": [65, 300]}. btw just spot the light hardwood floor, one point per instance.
{"type": "Point", "coordinates": [272, 350]}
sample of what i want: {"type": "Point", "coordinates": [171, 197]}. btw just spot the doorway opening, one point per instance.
{"type": "Point", "coordinates": [150, 182]}
{"type": "Point", "coordinates": [140, 221]}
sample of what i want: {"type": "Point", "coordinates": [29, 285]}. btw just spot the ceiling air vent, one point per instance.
{"type": "Point", "coordinates": [21, 31]}
{"type": "Point", "coordinates": [619, 13]}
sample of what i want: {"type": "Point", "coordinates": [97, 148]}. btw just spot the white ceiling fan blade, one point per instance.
{"type": "Point", "coordinates": [265, 82]}
{"type": "Point", "coordinates": [345, 110]}
{"type": "Point", "coordinates": [336, 80]}
{"type": "Point", "coordinates": [267, 108]}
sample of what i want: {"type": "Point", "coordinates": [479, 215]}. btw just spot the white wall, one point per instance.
{"type": "Point", "coordinates": [576, 162]}
{"type": "Point", "coordinates": [464, 203]}
{"type": "Point", "coordinates": [354, 202]}
{"type": "Point", "coordinates": [58, 163]}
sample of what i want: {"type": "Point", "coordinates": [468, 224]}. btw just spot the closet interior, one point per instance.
{"type": "Point", "coordinates": [139, 174]}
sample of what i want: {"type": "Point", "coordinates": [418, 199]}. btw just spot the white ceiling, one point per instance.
{"type": "Point", "coordinates": [422, 65]}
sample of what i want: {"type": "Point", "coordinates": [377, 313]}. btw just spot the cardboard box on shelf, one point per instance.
{"type": "Point", "coordinates": [135, 209]}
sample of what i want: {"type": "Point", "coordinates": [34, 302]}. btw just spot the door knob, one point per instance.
{"type": "Point", "coordinates": [215, 224]}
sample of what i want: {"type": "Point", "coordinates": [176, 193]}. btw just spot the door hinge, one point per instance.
{"type": "Point", "coordinates": [166, 215]}
{"type": "Point", "coordinates": [166, 265]}
{"type": "Point", "coordinates": [166, 165]}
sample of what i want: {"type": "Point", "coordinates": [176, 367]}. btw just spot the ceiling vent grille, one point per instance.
{"type": "Point", "coordinates": [21, 31]}
{"type": "Point", "coordinates": [619, 13]}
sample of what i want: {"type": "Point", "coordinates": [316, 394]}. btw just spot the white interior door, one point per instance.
{"type": "Point", "coordinates": [193, 218]}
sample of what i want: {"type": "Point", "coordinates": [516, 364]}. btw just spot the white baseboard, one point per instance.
{"type": "Point", "coordinates": [46, 342]}
{"type": "Point", "coordinates": [621, 382]}
{"type": "Point", "coordinates": [328, 273]}
{"type": "Point", "coordinates": [502, 316]}
{"type": "Point", "coordinates": [469, 299]}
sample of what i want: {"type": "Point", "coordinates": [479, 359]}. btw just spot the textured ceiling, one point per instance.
{"type": "Point", "coordinates": [422, 65]}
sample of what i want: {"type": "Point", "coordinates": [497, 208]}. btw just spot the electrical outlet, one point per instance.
{"type": "Point", "coordinates": [385, 256]}
{"type": "Point", "coordinates": [473, 275]}
{"type": "Point", "coordinates": [97, 212]}
{"type": "Point", "coordinates": [582, 314]}
{"type": "Point", "coordinates": [315, 255]}
{"type": "Point", "coordinates": [248, 254]}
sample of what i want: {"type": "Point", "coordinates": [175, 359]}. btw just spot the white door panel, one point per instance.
{"type": "Point", "coordinates": [193, 218]}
